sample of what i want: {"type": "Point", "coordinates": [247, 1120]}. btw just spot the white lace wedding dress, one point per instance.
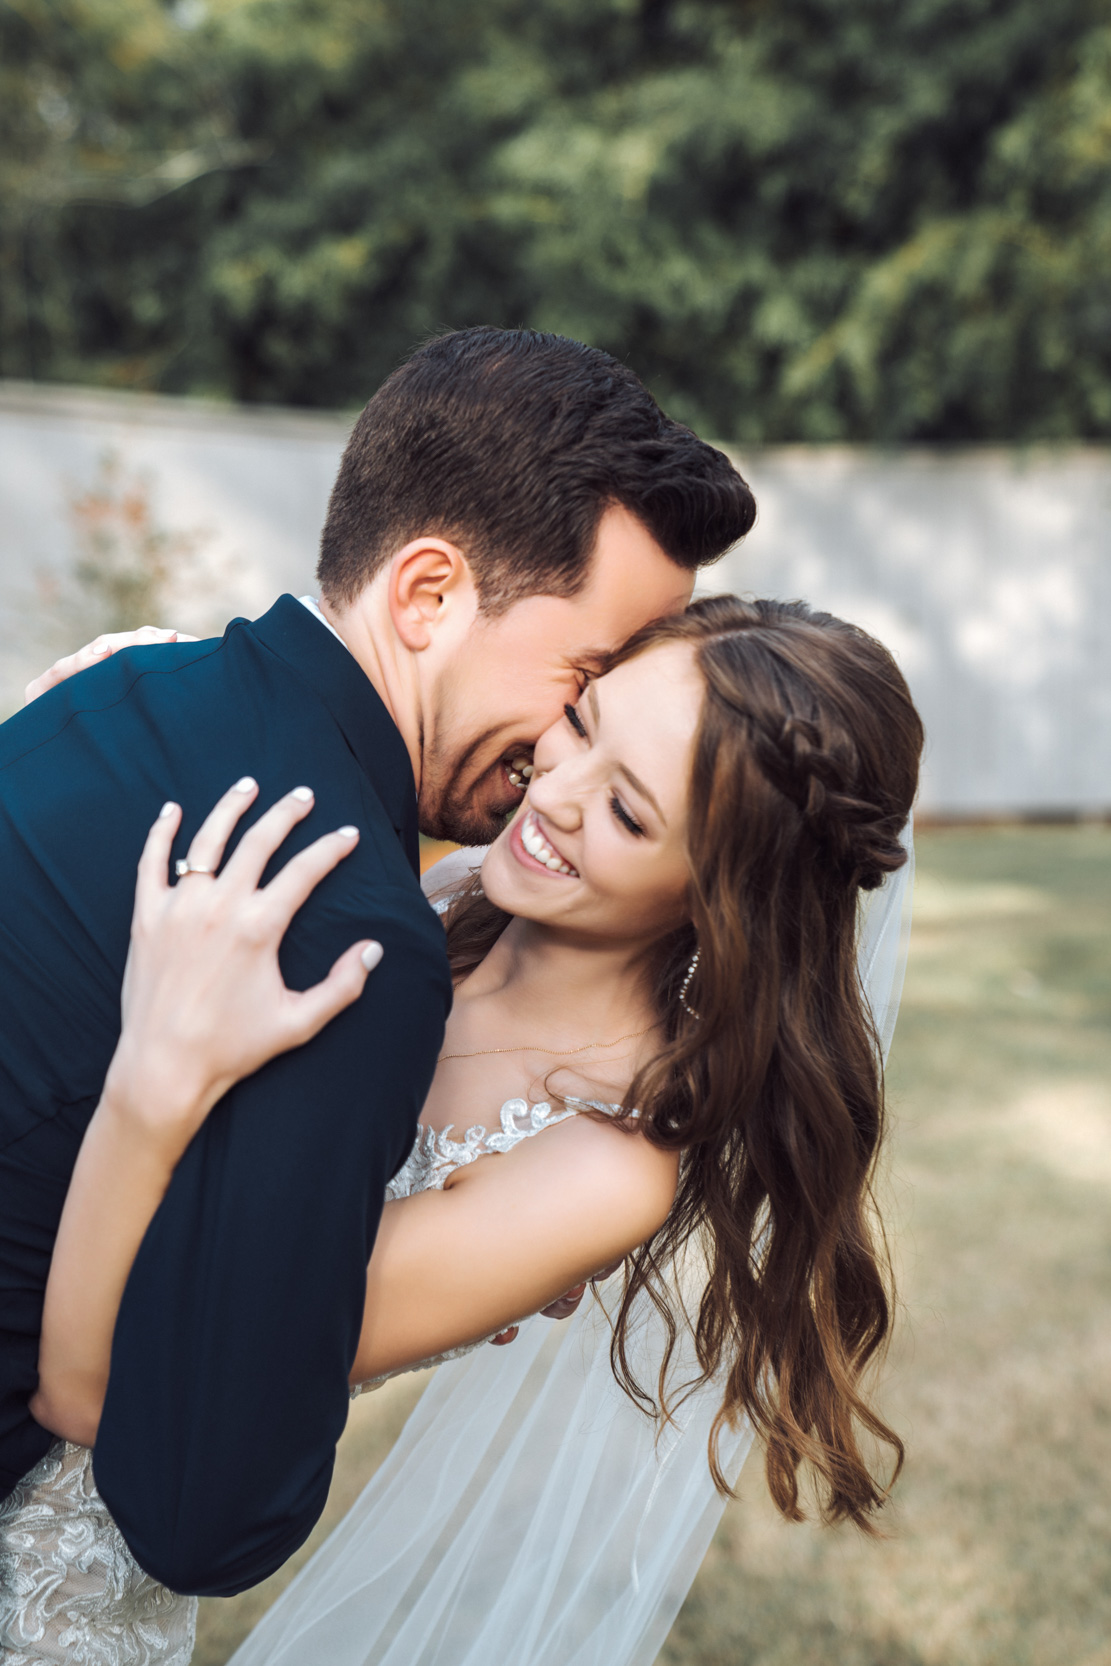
{"type": "Point", "coordinates": [528, 1515]}
{"type": "Point", "coordinates": [71, 1593]}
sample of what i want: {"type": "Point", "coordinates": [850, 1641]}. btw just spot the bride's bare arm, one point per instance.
{"type": "Point", "coordinates": [507, 1235]}
{"type": "Point", "coordinates": [204, 1005]}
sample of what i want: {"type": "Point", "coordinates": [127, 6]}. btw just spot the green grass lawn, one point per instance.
{"type": "Point", "coordinates": [998, 1186]}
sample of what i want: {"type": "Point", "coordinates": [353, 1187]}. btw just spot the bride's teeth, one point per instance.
{"type": "Point", "coordinates": [528, 772]}
{"type": "Point", "coordinates": [538, 848]}
{"type": "Point", "coordinates": [522, 765]}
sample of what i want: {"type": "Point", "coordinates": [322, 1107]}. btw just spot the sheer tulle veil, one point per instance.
{"type": "Point", "coordinates": [529, 1514]}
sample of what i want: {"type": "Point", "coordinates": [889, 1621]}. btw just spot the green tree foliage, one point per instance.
{"type": "Point", "coordinates": [813, 219]}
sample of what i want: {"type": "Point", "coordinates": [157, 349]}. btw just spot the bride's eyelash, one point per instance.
{"type": "Point", "coordinates": [625, 818]}
{"type": "Point", "coordinates": [575, 721]}
{"type": "Point", "coordinates": [619, 810]}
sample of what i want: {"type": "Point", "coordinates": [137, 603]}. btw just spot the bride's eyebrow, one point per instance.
{"type": "Point", "coordinates": [634, 780]}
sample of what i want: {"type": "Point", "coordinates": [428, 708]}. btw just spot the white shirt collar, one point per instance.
{"type": "Point", "coordinates": [314, 608]}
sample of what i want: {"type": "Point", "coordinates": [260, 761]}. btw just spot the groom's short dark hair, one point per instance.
{"type": "Point", "coordinates": [511, 444]}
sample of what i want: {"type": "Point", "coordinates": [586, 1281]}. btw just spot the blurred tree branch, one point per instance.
{"type": "Point", "coordinates": [819, 220]}
{"type": "Point", "coordinates": [128, 568]}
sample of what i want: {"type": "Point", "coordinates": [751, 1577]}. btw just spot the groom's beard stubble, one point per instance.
{"type": "Point", "coordinates": [461, 800]}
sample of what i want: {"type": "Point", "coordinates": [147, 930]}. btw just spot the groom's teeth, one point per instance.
{"type": "Point", "coordinates": [522, 765]}
{"type": "Point", "coordinates": [528, 772]}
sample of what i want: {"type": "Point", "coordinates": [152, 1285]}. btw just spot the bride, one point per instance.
{"type": "Point", "coordinates": [662, 967]}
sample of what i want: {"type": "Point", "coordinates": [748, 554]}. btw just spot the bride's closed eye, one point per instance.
{"type": "Point", "coordinates": [575, 721]}
{"type": "Point", "coordinates": [628, 821]}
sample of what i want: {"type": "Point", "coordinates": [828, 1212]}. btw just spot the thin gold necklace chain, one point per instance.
{"type": "Point", "coordinates": [563, 1052]}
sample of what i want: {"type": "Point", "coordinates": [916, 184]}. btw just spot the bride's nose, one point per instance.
{"type": "Point", "coordinates": [555, 793]}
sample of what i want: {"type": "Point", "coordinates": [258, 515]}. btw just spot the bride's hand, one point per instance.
{"type": "Point", "coordinates": [94, 652]}
{"type": "Point", "coordinates": [204, 1003]}
{"type": "Point", "coordinates": [568, 1303]}
{"type": "Point", "coordinates": [563, 1308]}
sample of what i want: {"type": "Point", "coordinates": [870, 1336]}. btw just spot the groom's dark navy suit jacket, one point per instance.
{"type": "Point", "coordinates": [240, 1320]}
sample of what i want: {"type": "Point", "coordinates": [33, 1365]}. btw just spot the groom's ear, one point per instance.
{"type": "Point", "coordinates": [430, 580]}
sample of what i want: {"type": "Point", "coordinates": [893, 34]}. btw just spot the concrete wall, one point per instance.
{"type": "Point", "coordinates": [252, 486]}
{"type": "Point", "coordinates": [988, 572]}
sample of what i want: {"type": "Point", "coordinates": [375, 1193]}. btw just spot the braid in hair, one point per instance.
{"type": "Point", "coordinates": [804, 773]}
{"type": "Point", "coordinates": [805, 770]}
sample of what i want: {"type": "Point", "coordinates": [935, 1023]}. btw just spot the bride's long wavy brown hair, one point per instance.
{"type": "Point", "coordinates": [805, 770]}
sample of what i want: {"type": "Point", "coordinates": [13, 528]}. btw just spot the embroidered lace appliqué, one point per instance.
{"type": "Point", "coordinates": [436, 1155]}
{"type": "Point", "coordinates": [71, 1592]}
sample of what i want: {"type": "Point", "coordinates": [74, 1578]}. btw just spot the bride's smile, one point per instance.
{"type": "Point", "coordinates": [533, 849]}
{"type": "Point", "coordinates": [598, 846]}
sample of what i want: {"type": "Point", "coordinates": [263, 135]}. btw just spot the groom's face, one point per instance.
{"type": "Point", "coordinates": [516, 670]}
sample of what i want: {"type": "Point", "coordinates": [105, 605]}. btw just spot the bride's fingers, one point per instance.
{"type": "Point", "coordinates": [68, 666]}
{"type": "Point", "coordinates": [95, 652]}
{"type": "Point", "coordinates": [313, 1008]}
{"type": "Point", "coordinates": [154, 862]}
{"type": "Point", "coordinates": [247, 863]}
{"type": "Point", "coordinates": [293, 886]}
{"type": "Point", "coordinates": [566, 1304]}
{"type": "Point", "coordinates": [207, 847]}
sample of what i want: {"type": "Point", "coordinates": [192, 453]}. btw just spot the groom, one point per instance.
{"type": "Point", "coordinates": [510, 506]}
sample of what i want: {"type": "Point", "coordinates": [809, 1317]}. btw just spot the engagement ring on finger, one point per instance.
{"type": "Point", "coordinates": [185, 866]}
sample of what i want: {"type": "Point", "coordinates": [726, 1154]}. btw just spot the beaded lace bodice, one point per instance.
{"type": "Point", "coordinates": [436, 1155]}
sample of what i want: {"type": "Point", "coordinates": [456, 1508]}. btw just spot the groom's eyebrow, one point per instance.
{"type": "Point", "coordinates": [589, 663]}
{"type": "Point", "coordinates": [633, 780]}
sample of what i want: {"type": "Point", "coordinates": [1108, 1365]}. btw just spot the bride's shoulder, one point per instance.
{"type": "Point", "coordinates": [615, 1163]}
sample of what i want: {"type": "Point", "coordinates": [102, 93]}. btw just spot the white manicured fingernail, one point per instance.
{"type": "Point", "coordinates": [371, 955]}
{"type": "Point", "coordinates": [348, 832]}
{"type": "Point", "coordinates": [105, 648]}
{"type": "Point", "coordinates": [245, 784]}
{"type": "Point", "coordinates": [167, 810]}
{"type": "Point", "coordinates": [302, 794]}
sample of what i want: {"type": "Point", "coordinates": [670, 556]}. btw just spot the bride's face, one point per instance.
{"type": "Point", "coordinates": [599, 845]}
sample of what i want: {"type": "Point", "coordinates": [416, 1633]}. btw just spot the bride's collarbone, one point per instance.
{"type": "Point", "coordinates": [470, 1092]}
